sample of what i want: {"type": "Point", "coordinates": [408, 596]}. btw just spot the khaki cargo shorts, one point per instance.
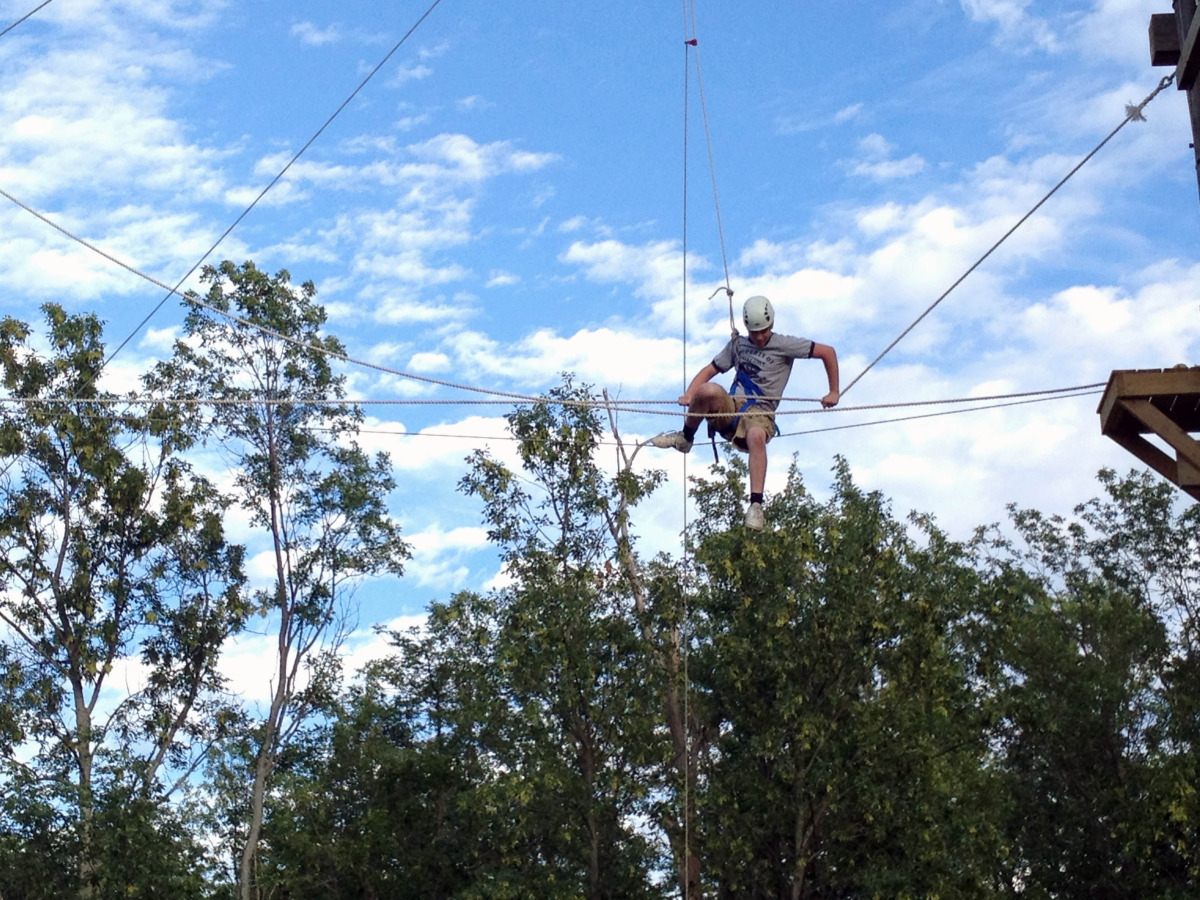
{"type": "Point", "coordinates": [754, 416]}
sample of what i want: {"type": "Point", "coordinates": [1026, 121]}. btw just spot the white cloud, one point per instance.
{"type": "Point", "coordinates": [799, 124]}
{"type": "Point", "coordinates": [500, 278]}
{"type": "Point", "coordinates": [438, 556]}
{"type": "Point", "coordinates": [1117, 29]}
{"type": "Point", "coordinates": [404, 74]}
{"type": "Point", "coordinates": [846, 113]}
{"type": "Point", "coordinates": [160, 340]}
{"type": "Point", "coordinates": [366, 646]}
{"type": "Point", "coordinates": [1017, 29]}
{"type": "Point", "coordinates": [575, 223]}
{"type": "Point", "coordinates": [312, 36]}
{"type": "Point", "coordinates": [95, 122]}
{"type": "Point", "coordinates": [399, 310]}
{"type": "Point", "coordinates": [429, 362]}
{"type": "Point", "coordinates": [408, 123]}
{"type": "Point", "coordinates": [438, 449]}
{"type": "Point", "coordinates": [473, 103]}
{"type": "Point", "coordinates": [460, 157]}
{"type": "Point", "coordinates": [653, 268]}
{"type": "Point", "coordinates": [875, 161]}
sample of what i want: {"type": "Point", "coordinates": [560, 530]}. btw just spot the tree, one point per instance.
{"type": "Point", "coordinates": [832, 669]}
{"type": "Point", "coordinates": [252, 349]}
{"type": "Point", "coordinates": [1095, 728]}
{"type": "Point", "coordinates": [503, 749]}
{"type": "Point", "coordinates": [581, 722]}
{"type": "Point", "coordinates": [112, 554]}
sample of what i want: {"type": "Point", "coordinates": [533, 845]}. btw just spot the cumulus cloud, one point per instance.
{"type": "Point", "coordinates": [438, 556]}
{"type": "Point", "coordinates": [875, 161]}
{"type": "Point", "coordinates": [312, 36]}
{"type": "Point", "coordinates": [846, 113]}
{"type": "Point", "coordinates": [1017, 29]}
{"type": "Point", "coordinates": [652, 268]}
{"type": "Point", "coordinates": [473, 103]}
{"type": "Point", "coordinates": [426, 363]}
{"type": "Point", "coordinates": [500, 278]}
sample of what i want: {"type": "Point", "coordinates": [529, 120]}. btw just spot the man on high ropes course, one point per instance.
{"type": "Point", "coordinates": [746, 417]}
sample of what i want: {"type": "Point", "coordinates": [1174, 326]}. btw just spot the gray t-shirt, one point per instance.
{"type": "Point", "coordinates": [768, 367]}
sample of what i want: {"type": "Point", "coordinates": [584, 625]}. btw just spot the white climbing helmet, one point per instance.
{"type": "Point", "coordinates": [758, 314]}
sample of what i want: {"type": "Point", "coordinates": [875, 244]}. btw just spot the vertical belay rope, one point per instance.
{"type": "Point", "coordinates": [691, 46]}
{"type": "Point", "coordinates": [688, 41]}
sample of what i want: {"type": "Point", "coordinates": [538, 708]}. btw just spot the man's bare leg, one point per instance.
{"type": "Point", "coordinates": [756, 441]}
{"type": "Point", "coordinates": [709, 398]}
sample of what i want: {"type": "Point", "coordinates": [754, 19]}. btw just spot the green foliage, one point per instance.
{"type": "Point", "coordinates": [1095, 728]}
{"type": "Point", "coordinates": [844, 705]}
{"type": "Point", "coordinates": [111, 549]}
{"type": "Point", "coordinates": [835, 682]}
{"type": "Point", "coordinates": [504, 750]}
{"type": "Point", "coordinates": [871, 709]}
{"type": "Point", "coordinates": [254, 357]}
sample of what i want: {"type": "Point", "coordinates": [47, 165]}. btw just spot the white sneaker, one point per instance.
{"type": "Point", "coordinates": [676, 439]}
{"type": "Point", "coordinates": [754, 517]}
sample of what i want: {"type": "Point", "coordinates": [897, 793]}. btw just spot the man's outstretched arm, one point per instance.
{"type": "Point", "coordinates": [705, 375]}
{"type": "Point", "coordinates": [828, 356]}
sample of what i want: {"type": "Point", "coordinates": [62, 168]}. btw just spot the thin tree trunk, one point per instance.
{"type": "Point", "coordinates": [87, 807]}
{"type": "Point", "coordinates": [687, 860]}
{"type": "Point", "coordinates": [264, 763]}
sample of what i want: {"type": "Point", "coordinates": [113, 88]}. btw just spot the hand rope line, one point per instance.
{"type": "Point", "coordinates": [694, 43]}
{"type": "Point", "coordinates": [458, 436]}
{"type": "Point", "coordinates": [628, 406]}
{"type": "Point", "coordinates": [1132, 113]}
{"type": "Point", "coordinates": [945, 412]}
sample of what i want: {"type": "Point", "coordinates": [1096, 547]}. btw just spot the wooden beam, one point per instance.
{"type": "Point", "coordinates": [1164, 40]}
{"type": "Point", "coordinates": [1124, 384]}
{"type": "Point", "coordinates": [1149, 454]}
{"type": "Point", "coordinates": [1109, 402]}
{"type": "Point", "coordinates": [1187, 475]}
{"type": "Point", "coordinates": [1155, 382]}
{"type": "Point", "coordinates": [1189, 60]}
{"type": "Point", "coordinates": [1184, 445]}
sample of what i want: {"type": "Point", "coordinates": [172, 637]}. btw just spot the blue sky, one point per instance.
{"type": "Point", "coordinates": [503, 201]}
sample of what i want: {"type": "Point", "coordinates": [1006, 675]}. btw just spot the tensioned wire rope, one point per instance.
{"type": "Point", "coordinates": [174, 291]}
{"type": "Point", "coordinates": [507, 396]}
{"type": "Point", "coordinates": [691, 52]}
{"type": "Point", "coordinates": [1133, 113]}
{"type": "Point", "coordinates": [170, 291]}
{"type": "Point", "coordinates": [25, 17]}
{"type": "Point", "coordinates": [689, 40]}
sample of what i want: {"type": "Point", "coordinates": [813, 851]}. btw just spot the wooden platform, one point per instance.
{"type": "Point", "coordinates": [1164, 402]}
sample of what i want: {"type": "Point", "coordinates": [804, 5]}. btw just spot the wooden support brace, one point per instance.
{"type": "Point", "coordinates": [1189, 59]}
{"type": "Point", "coordinates": [1164, 40]}
{"type": "Point", "coordinates": [1149, 454]}
{"type": "Point", "coordinates": [1187, 476]}
{"type": "Point", "coordinates": [1184, 445]}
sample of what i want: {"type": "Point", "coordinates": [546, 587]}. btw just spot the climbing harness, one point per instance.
{"type": "Point", "coordinates": [753, 393]}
